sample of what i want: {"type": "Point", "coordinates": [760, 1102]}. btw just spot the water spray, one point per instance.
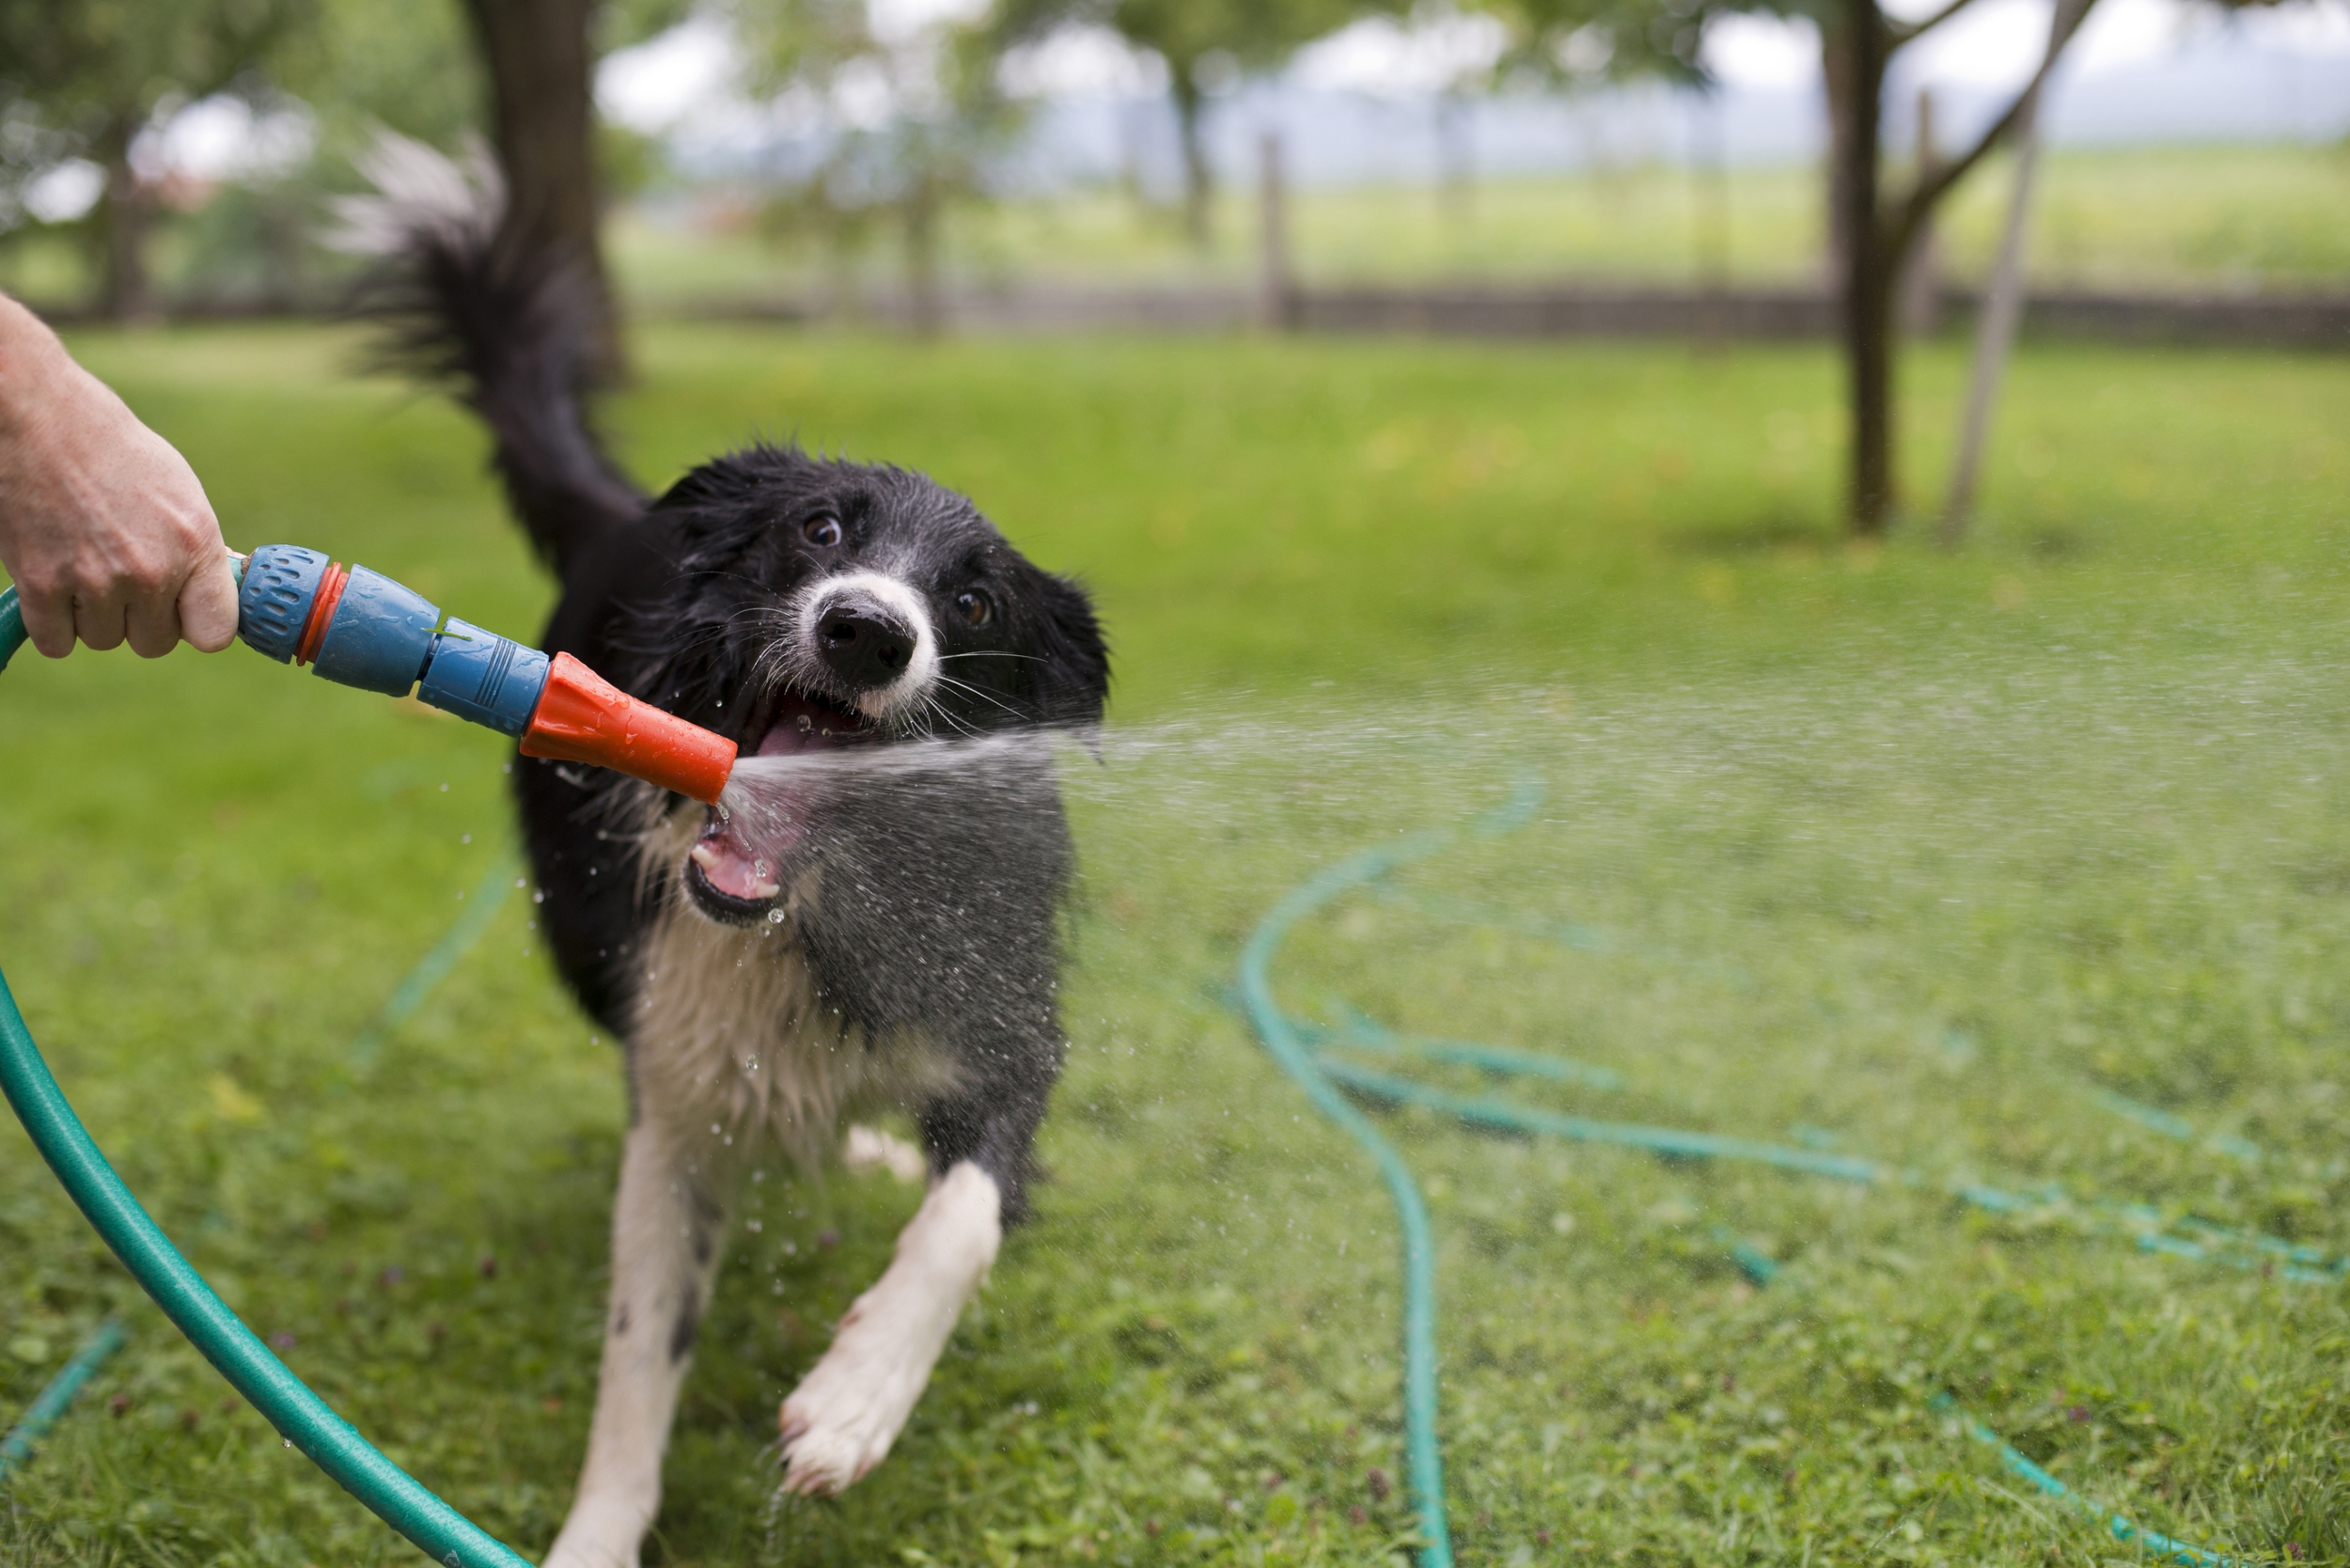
{"type": "Point", "coordinates": [359, 628]}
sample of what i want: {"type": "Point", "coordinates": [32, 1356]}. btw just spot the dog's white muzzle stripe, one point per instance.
{"type": "Point", "coordinates": [921, 671]}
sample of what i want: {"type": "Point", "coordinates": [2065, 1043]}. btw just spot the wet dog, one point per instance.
{"type": "Point", "coordinates": [878, 933]}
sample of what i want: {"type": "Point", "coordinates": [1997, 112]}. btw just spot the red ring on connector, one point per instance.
{"type": "Point", "coordinates": [321, 613]}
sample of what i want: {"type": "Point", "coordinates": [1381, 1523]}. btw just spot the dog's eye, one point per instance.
{"type": "Point", "coordinates": [822, 531]}
{"type": "Point", "coordinates": [974, 607]}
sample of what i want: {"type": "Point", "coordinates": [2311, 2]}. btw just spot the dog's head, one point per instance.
{"type": "Point", "coordinates": [823, 606]}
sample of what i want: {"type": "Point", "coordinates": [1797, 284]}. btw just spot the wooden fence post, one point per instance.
{"type": "Point", "coordinates": [1276, 309]}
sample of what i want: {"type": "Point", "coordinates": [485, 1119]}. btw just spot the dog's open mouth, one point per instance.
{"type": "Point", "coordinates": [736, 865]}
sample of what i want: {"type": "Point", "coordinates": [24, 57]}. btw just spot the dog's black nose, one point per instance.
{"type": "Point", "coordinates": [862, 641]}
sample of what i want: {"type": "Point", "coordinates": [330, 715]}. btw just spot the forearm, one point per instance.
{"type": "Point", "coordinates": [35, 376]}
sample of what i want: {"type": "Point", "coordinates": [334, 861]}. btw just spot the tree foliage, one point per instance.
{"type": "Point", "coordinates": [100, 79]}
{"type": "Point", "coordinates": [1191, 37]}
{"type": "Point", "coordinates": [409, 67]}
{"type": "Point", "coordinates": [906, 120]}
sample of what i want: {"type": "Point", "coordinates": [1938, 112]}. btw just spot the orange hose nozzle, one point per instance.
{"type": "Point", "coordinates": [582, 717]}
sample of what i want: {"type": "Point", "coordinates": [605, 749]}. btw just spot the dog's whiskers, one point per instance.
{"type": "Point", "coordinates": [975, 691]}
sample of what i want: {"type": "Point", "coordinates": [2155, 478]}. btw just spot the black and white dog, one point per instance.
{"type": "Point", "coordinates": [881, 936]}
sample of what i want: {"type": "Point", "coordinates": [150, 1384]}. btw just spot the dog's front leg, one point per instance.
{"type": "Point", "coordinates": [846, 1412]}
{"type": "Point", "coordinates": [668, 1227]}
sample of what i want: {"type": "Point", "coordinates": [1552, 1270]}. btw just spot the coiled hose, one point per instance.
{"type": "Point", "coordinates": [300, 1416]}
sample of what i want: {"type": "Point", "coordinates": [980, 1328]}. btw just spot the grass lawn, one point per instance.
{"type": "Point", "coordinates": [1880, 852]}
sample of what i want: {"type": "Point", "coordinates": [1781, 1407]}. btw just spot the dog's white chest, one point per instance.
{"type": "Point", "coordinates": [729, 1021]}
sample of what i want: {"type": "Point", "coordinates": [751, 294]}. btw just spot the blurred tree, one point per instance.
{"type": "Point", "coordinates": [106, 77]}
{"type": "Point", "coordinates": [1193, 37]}
{"type": "Point", "coordinates": [539, 57]}
{"type": "Point", "coordinates": [910, 114]}
{"type": "Point", "coordinates": [1872, 225]}
{"type": "Point", "coordinates": [1873, 222]}
{"type": "Point", "coordinates": [410, 67]}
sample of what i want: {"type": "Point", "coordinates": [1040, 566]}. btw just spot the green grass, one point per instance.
{"type": "Point", "coordinates": [1907, 851]}
{"type": "Point", "coordinates": [2172, 218]}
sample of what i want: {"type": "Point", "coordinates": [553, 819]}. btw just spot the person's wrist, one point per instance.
{"type": "Point", "coordinates": [36, 372]}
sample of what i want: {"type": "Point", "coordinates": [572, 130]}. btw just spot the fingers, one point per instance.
{"type": "Point", "coordinates": [102, 523]}
{"type": "Point", "coordinates": [47, 619]}
{"type": "Point", "coordinates": [151, 615]}
{"type": "Point", "coordinates": [102, 623]}
{"type": "Point", "coordinates": [208, 606]}
{"type": "Point", "coordinates": [151, 624]}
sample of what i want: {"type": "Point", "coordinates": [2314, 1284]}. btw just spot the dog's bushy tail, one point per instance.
{"type": "Point", "coordinates": [509, 335]}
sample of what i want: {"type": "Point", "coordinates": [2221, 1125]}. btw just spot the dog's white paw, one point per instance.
{"type": "Point", "coordinates": [844, 1415]}
{"type": "Point", "coordinates": [841, 1420]}
{"type": "Point", "coordinates": [598, 1538]}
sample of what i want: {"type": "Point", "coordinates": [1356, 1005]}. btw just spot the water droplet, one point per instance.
{"type": "Point", "coordinates": [775, 917]}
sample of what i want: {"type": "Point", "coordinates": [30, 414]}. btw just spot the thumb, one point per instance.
{"type": "Point", "coordinates": [208, 606]}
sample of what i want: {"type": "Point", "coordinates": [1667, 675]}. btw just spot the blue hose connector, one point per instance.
{"type": "Point", "coordinates": [378, 636]}
{"type": "Point", "coordinates": [273, 600]}
{"type": "Point", "coordinates": [362, 629]}
{"type": "Point", "coordinates": [480, 676]}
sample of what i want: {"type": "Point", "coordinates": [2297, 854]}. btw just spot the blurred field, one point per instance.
{"type": "Point", "coordinates": [2225, 218]}
{"type": "Point", "coordinates": [1907, 853]}
{"type": "Point", "coordinates": [2171, 218]}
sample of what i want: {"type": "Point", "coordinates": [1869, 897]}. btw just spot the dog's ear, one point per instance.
{"type": "Point", "coordinates": [1072, 678]}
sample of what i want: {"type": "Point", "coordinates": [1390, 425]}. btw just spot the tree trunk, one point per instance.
{"type": "Point", "coordinates": [1709, 173]}
{"type": "Point", "coordinates": [1199, 182]}
{"type": "Point", "coordinates": [1994, 335]}
{"type": "Point", "coordinates": [1918, 308]}
{"type": "Point", "coordinates": [123, 213]}
{"type": "Point", "coordinates": [925, 294]}
{"type": "Point", "coordinates": [1456, 156]}
{"type": "Point", "coordinates": [1836, 71]}
{"type": "Point", "coordinates": [540, 61]}
{"type": "Point", "coordinates": [1857, 48]}
{"type": "Point", "coordinates": [1275, 292]}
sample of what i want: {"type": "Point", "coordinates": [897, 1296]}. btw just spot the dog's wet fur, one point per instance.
{"type": "Point", "coordinates": [923, 903]}
{"type": "Point", "coordinates": [891, 947]}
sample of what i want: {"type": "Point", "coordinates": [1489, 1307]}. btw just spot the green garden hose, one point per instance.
{"type": "Point", "coordinates": [42, 1414]}
{"type": "Point", "coordinates": [1320, 1074]}
{"type": "Point", "coordinates": [1423, 1461]}
{"type": "Point", "coordinates": [284, 1399]}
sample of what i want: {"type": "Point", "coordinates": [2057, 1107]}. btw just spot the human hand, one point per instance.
{"type": "Point", "coordinates": [102, 523]}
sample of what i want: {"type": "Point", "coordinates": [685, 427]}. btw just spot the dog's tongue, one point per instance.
{"type": "Point", "coordinates": [734, 869]}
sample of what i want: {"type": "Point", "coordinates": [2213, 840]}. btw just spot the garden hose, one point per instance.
{"type": "Point", "coordinates": [42, 1414]}
{"type": "Point", "coordinates": [284, 1399]}
{"type": "Point", "coordinates": [1423, 1460]}
{"type": "Point", "coordinates": [1321, 1074]}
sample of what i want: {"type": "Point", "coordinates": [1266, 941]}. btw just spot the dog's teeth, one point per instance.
{"type": "Point", "coordinates": [762, 889]}
{"type": "Point", "coordinates": [704, 857]}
